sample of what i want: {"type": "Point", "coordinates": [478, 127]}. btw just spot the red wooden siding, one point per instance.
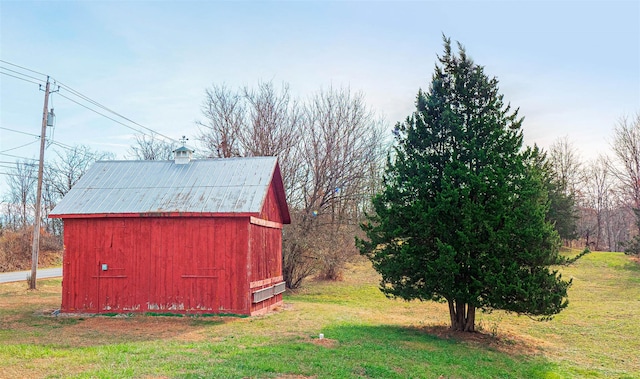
{"type": "Point", "coordinates": [271, 208]}
{"type": "Point", "coordinates": [265, 252]}
{"type": "Point", "coordinates": [176, 264]}
{"type": "Point", "coordinates": [265, 262]}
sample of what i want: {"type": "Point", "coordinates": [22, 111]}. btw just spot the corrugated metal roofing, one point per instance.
{"type": "Point", "coordinates": [232, 185]}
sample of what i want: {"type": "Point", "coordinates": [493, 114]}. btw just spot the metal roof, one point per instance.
{"type": "Point", "coordinates": [232, 185]}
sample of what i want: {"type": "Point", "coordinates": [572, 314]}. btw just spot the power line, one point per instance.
{"type": "Point", "coordinates": [19, 131]}
{"type": "Point", "coordinates": [19, 73]}
{"type": "Point", "coordinates": [24, 68]}
{"type": "Point", "coordinates": [12, 166]}
{"type": "Point", "coordinates": [154, 134]}
{"type": "Point", "coordinates": [26, 80]}
{"type": "Point", "coordinates": [62, 145]}
{"type": "Point", "coordinates": [15, 166]}
{"type": "Point", "coordinates": [10, 162]}
{"type": "Point", "coordinates": [19, 157]}
{"type": "Point", "coordinates": [86, 98]}
{"type": "Point", "coordinates": [110, 118]}
{"type": "Point", "coordinates": [18, 176]}
{"type": "Point", "coordinates": [16, 148]}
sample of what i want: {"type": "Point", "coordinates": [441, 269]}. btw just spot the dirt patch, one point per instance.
{"type": "Point", "coordinates": [156, 327]}
{"type": "Point", "coordinates": [504, 341]}
{"type": "Point", "coordinates": [326, 342]}
{"type": "Point", "coordinates": [91, 330]}
{"type": "Point", "coordinates": [418, 345]}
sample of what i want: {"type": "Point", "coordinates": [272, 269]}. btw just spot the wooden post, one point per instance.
{"type": "Point", "coordinates": [35, 248]}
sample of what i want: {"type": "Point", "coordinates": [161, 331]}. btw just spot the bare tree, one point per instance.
{"type": "Point", "coordinates": [598, 186]}
{"type": "Point", "coordinates": [61, 174]}
{"type": "Point", "coordinates": [49, 200]}
{"type": "Point", "coordinates": [152, 148]}
{"type": "Point", "coordinates": [9, 214]}
{"type": "Point", "coordinates": [626, 149]}
{"type": "Point", "coordinates": [224, 114]}
{"type": "Point", "coordinates": [274, 120]}
{"type": "Point", "coordinates": [273, 128]}
{"type": "Point", "coordinates": [21, 194]}
{"type": "Point", "coordinates": [566, 164]}
{"type": "Point", "coordinates": [328, 150]}
{"type": "Point", "coordinates": [619, 220]}
{"type": "Point", "coordinates": [341, 140]}
{"type": "Point", "coordinates": [70, 165]}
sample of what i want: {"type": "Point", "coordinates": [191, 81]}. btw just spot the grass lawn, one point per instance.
{"type": "Point", "coordinates": [366, 335]}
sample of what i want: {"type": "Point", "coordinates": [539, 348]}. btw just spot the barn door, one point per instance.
{"type": "Point", "coordinates": [111, 287]}
{"type": "Point", "coordinates": [201, 270]}
{"type": "Point", "coordinates": [112, 279]}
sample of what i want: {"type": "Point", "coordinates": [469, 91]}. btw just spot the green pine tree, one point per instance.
{"type": "Point", "coordinates": [632, 247]}
{"type": "Point", "coordinates": [562, 207]}
{"type": "Point", "coordinates": [462, 217]}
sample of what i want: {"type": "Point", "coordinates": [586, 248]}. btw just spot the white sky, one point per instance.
{"type": "Point", "coordinates": [573, 67]}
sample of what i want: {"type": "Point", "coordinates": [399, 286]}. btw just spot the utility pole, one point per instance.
{"type": "Point", "coordinates": [35, 249]}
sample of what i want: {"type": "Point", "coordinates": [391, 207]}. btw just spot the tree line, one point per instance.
{"type": "Point", "coordinates": [603, 192]}
{"type": "Point", "coordinates": [332, 149]}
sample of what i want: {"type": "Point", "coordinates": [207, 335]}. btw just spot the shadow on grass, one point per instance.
{"type": "Point", "coordinates": [633, 266]}
{"type": "Point", "coordinates": [346, 351]}
{"type": "Point", "coordinates": [386, 351]}
{"type": "Point", "coordinates": [508, 344]}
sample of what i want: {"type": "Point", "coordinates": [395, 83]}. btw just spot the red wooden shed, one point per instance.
{"type": "Point", "coordinates": [183, 236]}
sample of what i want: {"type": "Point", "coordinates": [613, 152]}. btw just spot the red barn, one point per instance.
{"type": "Point", "coordinates": [184, 236]}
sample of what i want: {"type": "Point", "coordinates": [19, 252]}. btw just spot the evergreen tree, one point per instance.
{"type": "Point", "coordinates": [632, 247]}
{"type": "Point", "coordinates": [462, 217]}
{"type": "Point", "coordinates": [562, 206]}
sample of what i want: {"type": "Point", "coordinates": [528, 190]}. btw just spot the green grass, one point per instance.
{"type": "Point", "coordinates": [599, 330]}
{"type": "Point", "coordinates": [366, 336]}
{"type": "Point", "coordinates": [358, 351]}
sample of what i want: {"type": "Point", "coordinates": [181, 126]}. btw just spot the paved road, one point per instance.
{"type": "Point", "coordinates": [18, 276]}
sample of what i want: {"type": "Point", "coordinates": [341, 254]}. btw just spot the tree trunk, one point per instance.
{"type": "Point", "coordinates": [470, 325]}
{"type": "Point", "coordinates": [452, 314]}
{"type": "Point", "coordinates": [587, 239]}
{"type": "Point", "coordinates": [462, 315]}
{"type": "Point", "coordinates": [599, 233]}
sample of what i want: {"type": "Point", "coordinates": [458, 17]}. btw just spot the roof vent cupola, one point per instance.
{"type": "Point", "coordinates": [183, 155]}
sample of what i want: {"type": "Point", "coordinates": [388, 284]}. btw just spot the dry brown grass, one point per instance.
{"type": "Point", "coordinates": [596, 336]}
{"type": "Point", "coordinates": [15, 250]}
